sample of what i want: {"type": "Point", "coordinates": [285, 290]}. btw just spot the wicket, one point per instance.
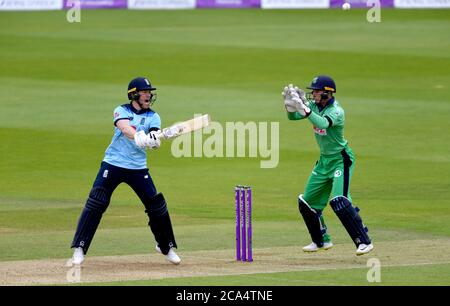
{"type": "Point", "coordinates": [243, 197]}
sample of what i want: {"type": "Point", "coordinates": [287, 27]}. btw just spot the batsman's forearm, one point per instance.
{"type": "Point", "coordinates": [126, 129]}
{"type": "Point", "coordinates": [318, 121]}
{"type": "Point", "coordinates": [129, 132]}
{"type": "Point", "coordinates": [294, 116]}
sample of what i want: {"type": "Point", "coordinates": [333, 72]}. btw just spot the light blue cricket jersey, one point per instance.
{"type": "Point", "coordinates": [123, 152]}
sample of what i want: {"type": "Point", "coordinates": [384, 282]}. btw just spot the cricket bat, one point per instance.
{"type": "Point", "coordinates": [181, 128]}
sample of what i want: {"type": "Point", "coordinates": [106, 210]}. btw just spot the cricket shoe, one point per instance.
{"type": "Point", "coordinates": [314, 248]}
{"type": "Point", "coordinates": [171, 256]}
{"type": "Point", "coordinates": [78, 256]}
{"type": "Point", "coordinates": [364, 248]}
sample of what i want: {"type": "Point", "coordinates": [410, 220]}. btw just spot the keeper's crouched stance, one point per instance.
{"type": "Point", "coordinates": [332, 172]}
{"type": "Point", "coordinates": [125, 161]}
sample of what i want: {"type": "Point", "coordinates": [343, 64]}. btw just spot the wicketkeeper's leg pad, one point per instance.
{"type": "Point", "coordinates": [351, 220]}
{"type": "Point", "coordinates": [311, 217]}
{"type": "Point", "coordinates": [159, 222]}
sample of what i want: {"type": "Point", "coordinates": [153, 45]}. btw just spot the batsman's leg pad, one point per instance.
{"type": "Point", "coordinates": [311, 217]}
{"type": "Point", "coordinates": [91, 215]}
{"type": "Point", "coordinates": [159, 222]}
{"type": "Point", "coordinates": [351, 220]}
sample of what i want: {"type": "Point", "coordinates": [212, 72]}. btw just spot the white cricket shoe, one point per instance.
{"type": "Point", "coordinates": [171, 256]}
{"type": "Point", "coordinates": [314, 248]}
{"type": "Point", "coordinates": [78, 256]}
{"type": "Point", "coordinates": [364, 248]}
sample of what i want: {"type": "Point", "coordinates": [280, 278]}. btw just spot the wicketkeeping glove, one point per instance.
{"type": "Point", "coordinates": [301, 94]}
{"type": "Point", "coordinates": [300, 101]}
{"type": "Point", "coordinates": [289, 104]}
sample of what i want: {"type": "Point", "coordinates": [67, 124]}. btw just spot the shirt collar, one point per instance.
{"type": "Point", "coordinates": [328, 103]}
{"type": "Point", "coordinates": [138, 112]}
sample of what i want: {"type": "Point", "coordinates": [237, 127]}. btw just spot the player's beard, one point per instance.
{"type": "Point", "coordinates": [145, 104]}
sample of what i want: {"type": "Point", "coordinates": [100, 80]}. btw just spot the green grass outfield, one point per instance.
{"type": "Point", "coordinates": [59, 83]}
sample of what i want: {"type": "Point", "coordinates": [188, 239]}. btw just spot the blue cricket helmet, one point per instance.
{"type": "Point", "coordinates": [323, 82]}
{"type": "Point", "coordinates": [137, 85]}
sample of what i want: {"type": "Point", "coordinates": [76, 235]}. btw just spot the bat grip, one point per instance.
{"type": "Point", "coordinates": [169, 132]}
{"type": "Point", "coordinates": [159, 134]}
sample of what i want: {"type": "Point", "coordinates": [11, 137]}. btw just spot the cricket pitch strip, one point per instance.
{"type": "Point", "coordinates": [221, 263]}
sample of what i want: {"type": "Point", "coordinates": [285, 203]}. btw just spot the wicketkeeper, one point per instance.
{"type": "Point", "coordinates": [333, 171]}
{"type": "Point", "coordinates": [125, 161]}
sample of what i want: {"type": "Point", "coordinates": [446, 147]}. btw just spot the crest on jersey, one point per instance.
{"type": "Point", "coordinates": [142, 121]}
{"type": "Point", "coordinates": [338, 173]}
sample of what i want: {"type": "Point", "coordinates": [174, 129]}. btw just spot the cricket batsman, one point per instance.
{"type": "Point", "coordinates": [333, 171]}
{"type": "Point", "coordinates": [125, 161]}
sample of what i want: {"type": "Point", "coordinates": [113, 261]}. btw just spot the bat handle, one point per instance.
{"type": "Point", "coordinates": [159, 134]}
{"type": "Point", "coordinates": [169, 132]}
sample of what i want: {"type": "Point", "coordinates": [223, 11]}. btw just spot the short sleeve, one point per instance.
{"type": "Point", "coordinates": [337, 116]}
{"type": "Point", "coordinates": [120, 113]}
{"type": "Point", "coordinates": [155, 123]}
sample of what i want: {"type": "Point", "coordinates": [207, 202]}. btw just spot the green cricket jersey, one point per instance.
{"type": "Point", "coordinates": [328, 125]}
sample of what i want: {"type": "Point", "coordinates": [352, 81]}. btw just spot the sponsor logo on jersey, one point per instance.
{"type": "Point", "coordinates": [338, 173]}
{"type": "Point", "coordinates": [321, 132]}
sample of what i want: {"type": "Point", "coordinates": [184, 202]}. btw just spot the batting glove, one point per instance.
{"type": "Point", "coordinates": [140, 139]}
{"type": "Point", "coordinates": [153, 140]}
